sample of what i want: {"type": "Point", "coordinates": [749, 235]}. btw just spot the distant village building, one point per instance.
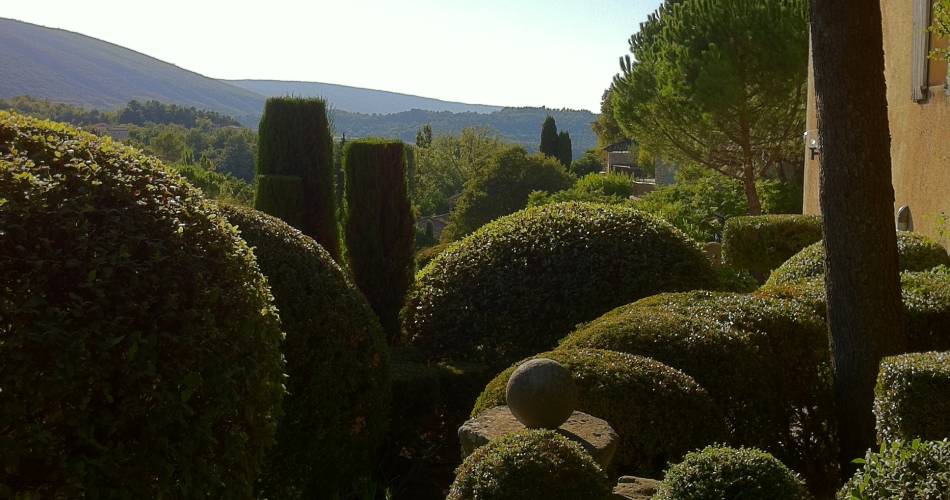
{"type": "Point", "coordinates": [117, 132]}
{"type": "Point", "coordinates": [622, 159]}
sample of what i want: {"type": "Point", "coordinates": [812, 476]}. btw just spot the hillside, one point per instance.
{"type": "Point", "coordinates": [358, 100]}
{"type": "Point", "coordinates": [69, 67]}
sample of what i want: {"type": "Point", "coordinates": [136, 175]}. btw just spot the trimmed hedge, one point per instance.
{"type": "Point", "coordinates": [522, 282]}
{"type": "Point", "coordinates": [295, 142]}
{"type": "Point", "coordinates": [659, 412]}
{"type": "Point", "coordinates": [530, 464]}
{"type": "Point", "coordinates": [140, 352]}
{"type": "Point", "coordinates": [912, 397]}
{"type": "Point", "coordinates": [762, 243]}
{"type": "Point", "coordinates": [717, 473]}
{"type": "Point", "coordinates": [764, 361]}
{"type": "Point", "coordinates": [904, 470]}
{"type": "Point", "coordinates": [916, 252]}
{"type": "Point", "coordinates": [337, 410]}
{"type": "Point", "coordinates": [378, 226]}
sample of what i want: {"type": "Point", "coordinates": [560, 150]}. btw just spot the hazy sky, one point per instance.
{"type": "Point", "coordinates": [556, 53]}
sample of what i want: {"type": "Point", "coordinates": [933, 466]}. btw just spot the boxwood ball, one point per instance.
{"type": "Point", "coordinates": [541, 394]}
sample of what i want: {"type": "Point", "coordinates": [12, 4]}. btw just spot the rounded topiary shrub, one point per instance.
{"type": "Point", "coordinates": [522, 282]}
{"type": "Point", "coordinates": [140, 348]}
{"type": "Point", "coordinates": [761, 243]}
{"type": "Point", "coordinates": [660, 413]}
{"type": "Point", "coordinates": [337, 408]}
{"type": "Point", "coordinates": [912, 397]}
{"type": "Point", "coordinates": [717, 473]}
{"type": "Point", "coordinates": [530, 464]}
{"type": "Point", "coordinates": [916, 252]}
{"type": "Point", "coordinates": [764, 361]}
{"type": "Point", "coordinates": [904, 470]}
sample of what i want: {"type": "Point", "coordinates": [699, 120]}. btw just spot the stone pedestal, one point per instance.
{"type": "Point", "coordinates": [635, 488]}
{"type": "Point", "coordinates": [594, 434]}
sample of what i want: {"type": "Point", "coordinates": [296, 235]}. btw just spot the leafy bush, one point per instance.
{"type": "Point", "coordinates": [904, 470]}
{"type": "Point", "coordinates": [590, 163]}
{"type": "Point", "coordinates": [294, 141]}
{"type": "Point", "coordinates": [737, 474]}
{"type": "Point", "coordinates": [521, 283]}
{"type": "Point", "coordinates": [764, 361]}
{"type": "Point", "coordinates": [916, 253]}
{"type": "Point", "coordinates": [530, 464]}
{"type": "Point", "coordinates": [659, 412]}
{"type": "Point", "coordinates": [426, 255]}
{"type": "Point", "coordinates": [217, 186]}
{"type": "Point", "coordinates": [140, 345]}
{"type": "Point", "coordinates": [378, 226]}
{"type": "Point", "coordinates": [503, 189]}
{"type": "Point", "coordinates": [912, 397]}
{"type": "Point", "coordinates": [598, 188]}
{"type": "Point", "coordinates": [762, 243]}
{"type": "Point", "coordinates": [337, 410]}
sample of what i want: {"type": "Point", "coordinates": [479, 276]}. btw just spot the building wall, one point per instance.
{"type": "Point", "coordinates": [920, 132]}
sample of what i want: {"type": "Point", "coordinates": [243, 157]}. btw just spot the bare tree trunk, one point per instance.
{"type": "Point", "coordinates": [857, 202]}
{"type": "Point", "coordinates": [751, 194]}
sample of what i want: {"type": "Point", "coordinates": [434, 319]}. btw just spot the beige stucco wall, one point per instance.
{"type": "Point", "coordinates": [920, 132]}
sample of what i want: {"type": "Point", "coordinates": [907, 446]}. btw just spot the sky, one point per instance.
{"type": "Point", "coordinates": [554, 53]}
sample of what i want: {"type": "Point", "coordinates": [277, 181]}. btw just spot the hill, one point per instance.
{"type": "Point", "coordinates": [358, 100]}
{"type": "Point", "coordinates": [69, 67]}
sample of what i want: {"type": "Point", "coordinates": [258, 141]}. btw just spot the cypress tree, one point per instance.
{"type": "Point", "coordinates": [564, 149]}
{"type": "Point", "coordinates": [379, 230]}
{"type": "Point", "coordinates": [549, 137]}
{"type": "Point", "coordinates": [295, 177]}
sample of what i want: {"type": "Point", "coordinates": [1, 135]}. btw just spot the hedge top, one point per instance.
{"type": "Point", "coordinates": [912, 397]}
{"type": "Point", "coordinates": [121, 288]}
{"type": "Point", "coordinates": [522, 282]}
{"type": "Point", "coordinates": [762, 243]}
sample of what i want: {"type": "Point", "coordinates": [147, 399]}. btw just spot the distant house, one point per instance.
{"type": "Point", "coordinates": [622, 159]}
{"type": "Point", "coordinates": [117, 132]}
{"type": "Point", "coordinates": [918, 108]}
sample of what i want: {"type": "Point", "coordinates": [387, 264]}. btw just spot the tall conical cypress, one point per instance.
{"type": "Point", "coordinates": [549, 137]}
{"type": "Point", "coordinates": [295, 177]}
{"type": "Point", "coordinates": [565, 152]}
{"type": "Point", "coordinates": [379, 230]}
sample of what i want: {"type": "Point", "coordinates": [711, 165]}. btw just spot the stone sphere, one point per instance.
{"type": "Point", "coordinates": [541, 394]}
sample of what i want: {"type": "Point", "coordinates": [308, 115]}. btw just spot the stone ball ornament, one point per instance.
{"type": "Point", "coordinates": [541, 394]}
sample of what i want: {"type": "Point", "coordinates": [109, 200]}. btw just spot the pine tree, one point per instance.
{"type": "Point", "coordinates": [564, 151]}
{"type": "Point", "coordinates": [379, 229]}
{"type": "Point", "coordinates": [295, 178]}
{"type": "Point", "coordinates": [549, 137]}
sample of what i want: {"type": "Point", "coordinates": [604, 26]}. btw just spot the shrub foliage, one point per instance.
{"type": "Point", "coordinates": [294, 141]}
{"type": "Point", "coordinates": [379, 228]}
{"type": "Point", "coordinates": [737, 474]}
{"type": "Point", "coordinates": [904, 470]}
{"type": "Point", "coordinates": [337, 409]}
{"type": "Point", "coordinates": [762, 243]}
{"type": "Point", "coordinates": [530, 464]}
{"type": "Point", "coordinates": [140, 349]}
{"type": "Point", "coordinates": [659, 412]}
{"type": "Point", "coordinates": [912, 397]}
{"type": "Point", "coordinates": [521, 283]}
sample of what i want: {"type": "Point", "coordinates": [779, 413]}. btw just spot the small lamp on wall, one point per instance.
{"type": "Point", "coordinates": [905, 222]}
{"type": "Point", "coordinates": [813, 143]}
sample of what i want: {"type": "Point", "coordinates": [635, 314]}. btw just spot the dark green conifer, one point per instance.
{"type": "Point", "coordinates": [564, 150]}
{"type": "Point", "coordinates": [549, 137]}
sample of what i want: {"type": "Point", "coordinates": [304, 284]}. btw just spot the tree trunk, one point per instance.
{"type": "Point", "coordinates": [751, 194]}
{"type": "Point", "coordinates": [857, 203]}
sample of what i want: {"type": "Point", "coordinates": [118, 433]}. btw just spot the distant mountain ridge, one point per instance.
{"type": "Point", "coordinates": [62, 66]}
{"type": "Point", "coordinates": [356, 99]}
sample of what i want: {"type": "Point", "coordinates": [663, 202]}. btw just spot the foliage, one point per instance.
{"type": "Point", "coordinates": [504, 189]}
{"type": "Point", "coordinates": [140, 345]}
{"type": "Point", "coordinates": [549, 137]}
{"type": "Point", "coordinates": [565, 153]}
{"type": "Point", "coordinates": [424, 136]}
{"type": "Point", "coordinates": [911, 398]}
{"type": "Point", "coordinates": [902, 470]}
{"type": "Point", "coordinates": [659, 412]}
{"type": "Point", "coordinates": [519, 284]}
{"type": "Point", "coordinates": [378, 226]}
{"type": "Point", "coordinates": [152, 111]}
{"type": "Point", "coordinates": [294, 141]}
{"type": "Point", "coordinates": [718, 84]}
{"type": "Point", "coordinates": [763, 360]}
{"type": "Point", "coordinates": [763, 243]}
{"type": "Point", "coordinates": [916, 253]}
{"type": "Point", "coordinates": [56, 111]}
{"type": "Point", "coordinates": [606, 127]}
{"type": "Point", "coordinates": [217, 186]}
{"type": "Point", "coordinates": [737, 474]}
{"type": "Point", "coordinates": [590, 163]}
{"type": "Point", "coordinates": [941, 27]}
{"type": "Point", "coordinates": [530, 464]}
{"type": "Point", "coordinates": [337, 408]}
{"type": "Point", "coordinates": [597, 188]}
{"type": "Point", "coordinates": [425, 256]}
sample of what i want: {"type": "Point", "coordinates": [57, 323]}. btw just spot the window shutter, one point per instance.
{"type": "Point", "coordinates": [921, 35]}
